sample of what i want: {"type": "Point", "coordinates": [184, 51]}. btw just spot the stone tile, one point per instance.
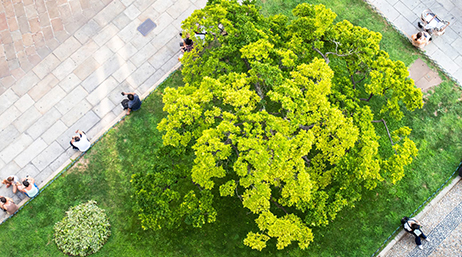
{"type": "Point", "coordinates": [124, 71]}
{"type": "Point", "coordinates": [131, 12]}
{"type": "Point", "coordinates": [105, 34]}
{"type": "Point", "coordinates": [87, 31]}
{"type": "Point", "coordinates": [27, 118]}
{"type": "Point", "coordinates": [103, 72]}
{"type": "Point", "coordinates": [115, 95]}
{"type": "Point", "coordinates": [154, 79]}
{"type": "Point", "coordinates": [140, 75]}
{"type": "Point", "coordinates": [103, 54]}
{"type": "Point", "coordinates": [178, 8]}
{"type": "Point", "coordinates": [15, 148]}
{"type": "Point", "coordinates": [127, 33]}
{"type": "Point", "coordinates": [144, 54]}
{"type": "Point", "coordinates": [64, 69]}
{"type": "Point", "coordinates": [46, 66]}
{"type": "Point", "coordinates": [76, 113]}
{"type": "Point", "coordinates": [170, 64]}
{"type": "Point", "coordinates": [388, 10]}
{"type": "Point", "coordinates": [157, 60]}
{"type": "Point", "coordinates": [71, 100]}
{"type": "Point", "coordinates": [442, 58]}
{"type": "Point", "coordinates": [104, 107]}
{"type": "Point", "coordinates": [24, 103]}
{"type": "Point", "coordinates": [86, 68]}
{"type": "Point", "coordinates": [47, 156]}
{"type": "Point", "coordinates": [8, 135]}
{"type": "Point", "coordinates": [101, 92]}
{"type": "Point", "coordinates": [457, 44]}
{"type": "Point", "coordinates": [63, 159]}
{"type": "Point", "coordinates": [107, 121]}
{"type": "Point", "coordinates": [121, 21]}
{"type": "Point", "coordinates": [52, 133]}
{"type": "Point", "coordinates": [162, 5]}
{"type": "Point", "coordinates": [27, 82]}
{"type": "Point", "coordinates": [26, 156]}
{"type": "Point", "coordinates": [30, 170]}
{"type": "Point", "coordinates": [67, 48]}
{"type": "Point", "coordinates": [84, 52]}
{"type": "Point", "coordinates": [115, 43]}
{"type": "Point", "coordinates": [127, 51]}
{"type": "Point", "coordinates": [10, 169]}
{"type": "Point", "coordinates": [43, 87]}
{"type": "Point", "coordinates": [7, 99]}
{"type": "Point", "coordinates": [85, 123]}
{"type": "Point", "coordinates": [109, 12]}
{"type": "Point", "coordinates": [70, 82]}
{"type": "Point", "coordinates": [50, 99]}
{"type": "Point", "coordinates": [48, 119]}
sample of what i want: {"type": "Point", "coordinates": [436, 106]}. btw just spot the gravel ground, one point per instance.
{"type": "Point", "coordinates": [443, 226]}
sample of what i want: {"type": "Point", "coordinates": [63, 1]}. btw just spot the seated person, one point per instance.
{"type": "Point", "coordinates": [11, 181]}
{"type": "Point", "coordinates": [80, 142]}
{"type": "Point", "coordinates": [8, 205]}
{"type": "Point", "coordinates": [187, 45]}
{"type": "Point", "coordinates": [28, 187]}
{"type": "Point", "coordinates": [421, 39]}
{"type": "Point", "coordinates": [133, 104]}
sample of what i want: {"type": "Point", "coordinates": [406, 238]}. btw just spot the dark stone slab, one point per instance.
{"type": "Point", "coordinates": [146, 27]}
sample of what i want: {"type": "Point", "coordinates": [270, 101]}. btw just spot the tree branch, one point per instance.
{"type": "Point", "coordinates": [237, 194]}
{"type": "Point", "coordinates": [278, 205]}
{"type": "Point", "coordinates": [323, 56]}
{"type": "Point", "coordinates": [367, 100]}
{"type": "Point", "coordinates": [388, 132]}
{"type": "Point", "coordinates": [306, 127]}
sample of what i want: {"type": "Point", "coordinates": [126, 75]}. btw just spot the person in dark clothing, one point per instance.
{"type": "Point", "coordinates": [413, 227]}
{"type": "Point", "coordinates": [187, 44]}
{"type": "Point", "coordinates": [132, 104]}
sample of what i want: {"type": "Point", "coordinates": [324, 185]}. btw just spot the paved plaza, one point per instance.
{"type": "Point", "coordinates": [75, 73]}
{"type": "Point", "coordinates": [63, 64]}
{"type": "Point", "coordinates": [442, 218]}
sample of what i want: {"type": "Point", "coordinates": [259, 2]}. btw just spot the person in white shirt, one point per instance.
{"type": "Point", "coordinates": [80, 142]}
{"type": "Point", "coordinates": [413, 226]}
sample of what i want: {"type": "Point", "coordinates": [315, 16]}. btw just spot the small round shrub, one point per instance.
{"type": "Point", "coordinates": [83, 231]}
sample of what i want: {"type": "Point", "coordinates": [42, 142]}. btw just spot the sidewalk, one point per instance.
{"type": "Point", "coordinates": [78, 84]}
{"type": "Point", "coordinates": [442, 217]}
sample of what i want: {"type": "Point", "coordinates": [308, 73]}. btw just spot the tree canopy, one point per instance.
{"type": "Point", "coordinates": [283, 114]}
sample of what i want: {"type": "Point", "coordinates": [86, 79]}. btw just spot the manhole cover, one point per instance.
{"type": "Point", "coordinates": [146, 27]}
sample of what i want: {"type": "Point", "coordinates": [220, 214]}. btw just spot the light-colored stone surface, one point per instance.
{"type": "Point", "coordinates": [75, 82]}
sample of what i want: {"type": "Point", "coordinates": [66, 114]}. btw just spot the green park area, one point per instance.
{"type": "Point", "coordinates": [173, 180]}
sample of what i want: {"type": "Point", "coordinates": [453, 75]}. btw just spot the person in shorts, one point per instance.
{"type": "Point", "coordinates": [80, 142]}
{"type": "Point", "coordinates": [28, 187]}
{"type": "Point", "coordinates": [8, 205]}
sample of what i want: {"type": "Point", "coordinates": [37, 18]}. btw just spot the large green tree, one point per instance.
{"type": "Point", "coordinates": [282, 114]}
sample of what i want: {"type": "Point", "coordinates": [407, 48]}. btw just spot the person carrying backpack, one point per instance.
{"type": "Point", "coordinates": [414, 227]}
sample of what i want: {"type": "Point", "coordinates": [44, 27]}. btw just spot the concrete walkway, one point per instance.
{"type": "Point", "coordinates": [442, 217]}
{"type": "Point", "coordinates": [77, 85]}
{"type": "Point", "coordinates": [445, 50]}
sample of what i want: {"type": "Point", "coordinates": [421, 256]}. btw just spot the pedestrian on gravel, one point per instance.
{"type": "Point", "coordinates": [414, 227]}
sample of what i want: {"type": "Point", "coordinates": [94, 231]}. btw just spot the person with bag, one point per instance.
{"type": "Point", "coordinates": [133, 102]}
{"type": "Point", "coordinates": [414, 227]}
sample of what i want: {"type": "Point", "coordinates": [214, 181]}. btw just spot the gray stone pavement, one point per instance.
{"type": "Point", "coordinates": [78, 84]}
{"type": "Point", "coordinates": [445, 50]}
{"type": "Point", "coordinates": [442, 217]}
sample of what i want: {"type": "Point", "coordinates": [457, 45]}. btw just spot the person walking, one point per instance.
{"type": "Point", "coordinates": [132, 104]}
{"type": "Point", "coordinates": [8, 205]}
{"type": "Point", "coordinates": [413, 226]}
{"type": "Point", "coordinates": [80, 142]}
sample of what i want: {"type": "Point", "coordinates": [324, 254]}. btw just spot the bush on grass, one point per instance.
{"type": "Point", "coordinates": [83, 231]}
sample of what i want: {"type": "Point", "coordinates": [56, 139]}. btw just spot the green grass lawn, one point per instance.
{"type": "Point", "coordinates": [104, 175]}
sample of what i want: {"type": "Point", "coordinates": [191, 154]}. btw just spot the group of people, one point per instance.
{"type": "Point", "coordinates": [82, 143]}
{"type": "Point", "coordinates": [26, 185]}
{"type": "Point", "coordinates": [79, 142]}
